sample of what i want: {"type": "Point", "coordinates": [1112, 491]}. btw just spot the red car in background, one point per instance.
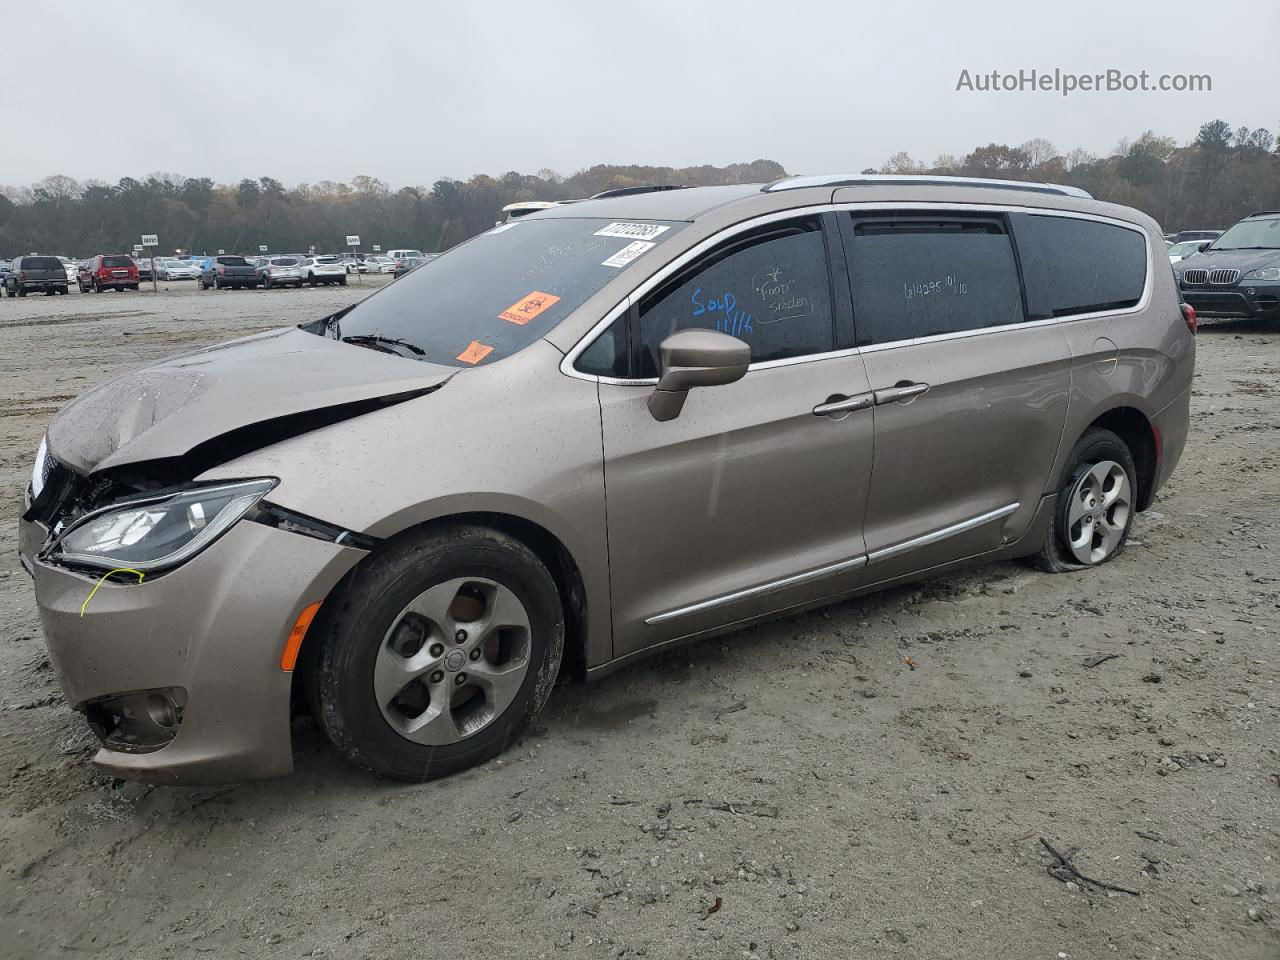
{"type": "Point", "coordinates": [108, 271]}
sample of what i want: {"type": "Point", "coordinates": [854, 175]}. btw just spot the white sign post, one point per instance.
{"type": "Point", "coordinates": [262, 248]}
{"type": "Point", "coordinates": [353, 241]}
{"type": "Point", "coordinates": [377, 248]}
{"type": "Point", "coordinates": [151, 241]}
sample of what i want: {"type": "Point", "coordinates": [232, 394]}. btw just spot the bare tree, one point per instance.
{"type": "Point", "coordinates": [1039, 150]}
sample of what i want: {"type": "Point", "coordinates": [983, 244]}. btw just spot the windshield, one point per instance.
{"type": "Point", "coordinates": [1251, 235]}
{"type": "Point", "coordinates": [41, 263]}
{"type": "Point", "coordinates": [284, 262]}
{"type": "Point", "coordinates": [117, 262]}
{"type": "Point", "coordinates": [233, 261]}
{"type": "Point", "coordinates": [494, 295]}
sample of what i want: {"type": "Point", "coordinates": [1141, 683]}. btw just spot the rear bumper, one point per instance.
{"type": "Point", "coordinates": [213, 629]}
{"type": "Point", "coordinates": [41, 284]}
{"type": "Point", "coordinates": [1172, 425]}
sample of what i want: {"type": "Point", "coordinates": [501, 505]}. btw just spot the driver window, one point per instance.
{"type": "Point", "coordinates": [770, 288]}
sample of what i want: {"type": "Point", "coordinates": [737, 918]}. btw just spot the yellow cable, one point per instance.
{"type": "Point", "coordinates": [136, 573]}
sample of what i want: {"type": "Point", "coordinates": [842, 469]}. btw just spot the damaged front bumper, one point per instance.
{"type": "Point", "coordinates": [190, 659]}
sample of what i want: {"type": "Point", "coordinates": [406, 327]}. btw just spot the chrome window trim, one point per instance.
{"type": "Point", "coordinates": [781, 583]}
{"type": "Point", "coordinates": [861, 206]}
{"type": "Point", "coordinates": [935, 536]}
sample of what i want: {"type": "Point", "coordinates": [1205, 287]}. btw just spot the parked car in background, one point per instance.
{"type": "Point", "coordinates": [402, 254]}
{"type": "Point", "coordinates": [379, 264]}
{"type": "Point", "coordinates": [108, 271]}
{"type": "Point", "coordinates": [397, 513]}
{"type": "Point", "coordinates": [71, 268]}
{"type": "Point", "coordinates": [280, 271]}
{"type": "Point", "coordinates": [1184, 235]}
{"type": "Point", "coordinates": [323, 269]}
{"type": "Point", "coordinates": [177, 269]}
{"type": "Point", "coordinates": [144, 267]}
{"type": "Point", "coordinates": [35, 274]}
{"type": "Point", "coordinates": [1238, 274]}
{"type": "Point", "coordinates": [354, 263]}
{"type": "Point", "coordinates": [405, 264]}
{"type": "Point", "coordinates": [227, 270]}
{"type": "Point", "coordinates": [1180, 251]}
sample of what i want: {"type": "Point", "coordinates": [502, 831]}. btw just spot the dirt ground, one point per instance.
{"type": "Point", "coordinates": [793, 790]}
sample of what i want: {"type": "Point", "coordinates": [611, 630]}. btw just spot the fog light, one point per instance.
{"type": "Point", "coordinates": [137, 722]}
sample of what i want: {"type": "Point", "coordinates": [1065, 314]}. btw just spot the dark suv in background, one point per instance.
{"type": "Point", "coordinates": [1238, 275]}
{"type": "Point", "coordinates": [28, 274]}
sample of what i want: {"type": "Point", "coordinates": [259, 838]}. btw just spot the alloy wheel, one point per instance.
{"type": "Point", "coordinates": [453, 661]}
{"type": "Point", "coordinates": [1098, 513]}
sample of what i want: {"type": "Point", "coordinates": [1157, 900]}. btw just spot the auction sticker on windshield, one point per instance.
{"type": "Point", "coordinates": [633, 231]}
{"type": "Point", "coordinates": [526, 308]}
{"type": "Point", "coordinates": [627, 254]}
{"type": "Point", "coordinates": [475, 352]}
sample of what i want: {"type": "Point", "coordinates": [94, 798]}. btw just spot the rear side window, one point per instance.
{"type": "Point", "coordinates": [117, 262]}
{"type": "Point", "coordinates": [1076, 266]}
{"type": "Point", "coordinates": [919, 277]}
{"type": "Point", "coordinates": [769, 288]}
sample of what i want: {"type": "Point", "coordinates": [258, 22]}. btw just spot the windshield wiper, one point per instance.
{"type": "Point", "coordinates": [375, 341]}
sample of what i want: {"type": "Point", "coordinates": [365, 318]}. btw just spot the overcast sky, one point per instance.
{"type": "Point", "coordinates": [411, 92]}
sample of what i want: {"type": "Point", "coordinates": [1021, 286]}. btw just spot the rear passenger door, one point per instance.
{"type": "Point", "coordinates": [970, 398]}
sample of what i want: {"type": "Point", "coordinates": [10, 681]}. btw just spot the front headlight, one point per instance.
{"type": "Point", "coordinates": [1263, 273]}
{"type": "Point", "coordinates": [152, 535]}
{"type": "Point", "coordinates": [38, 472]}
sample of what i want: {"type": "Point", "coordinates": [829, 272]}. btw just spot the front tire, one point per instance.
{"type": "Point", "coordinates": [437, 655]}
{"type": "Point", "coordinates": [1095, 506]}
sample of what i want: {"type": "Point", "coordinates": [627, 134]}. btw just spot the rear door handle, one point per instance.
{"type": "Point", "coordinates": [846, 405]}
{"type": "Point", "coordinates": [900, 393]}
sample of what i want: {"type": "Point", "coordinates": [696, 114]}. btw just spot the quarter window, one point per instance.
{"type": "Point", "coordinates": [1076, 266]}
{"type": "Point", "coordinates": [920, 277]}
{"type": "Point", "coordinates": [769, 288]}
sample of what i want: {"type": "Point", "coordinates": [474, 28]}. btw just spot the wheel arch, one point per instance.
{"type": "Point", "coordinates": [548, 547]}
{"type": "Point", "coordinates": [1139, 434]}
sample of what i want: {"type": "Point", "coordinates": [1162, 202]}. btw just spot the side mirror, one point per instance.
{"type": "Point", "coordinates": [695, 358]}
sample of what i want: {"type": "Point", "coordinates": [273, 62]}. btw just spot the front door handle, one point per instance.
{"type": "Point", "coordinates": [838, 405]}
{"type": "Point", "coordinates": [900, 393]}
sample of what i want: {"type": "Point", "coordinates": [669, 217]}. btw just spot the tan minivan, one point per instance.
{"type": "Point", "coordinates": [603, 429]}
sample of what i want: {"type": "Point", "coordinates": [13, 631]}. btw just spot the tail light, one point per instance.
{"type": "Point", "coordinates": [1189, 315]}
{"type": "Point", "coordinates": [22, 274]}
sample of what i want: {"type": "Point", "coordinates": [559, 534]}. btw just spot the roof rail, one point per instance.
{"type": "Point", "coordinates": [629, 191]}
{"type": "Point", "coordinates": [1264, 213]}
{"type": "Point", "coordinates": [910, 180]}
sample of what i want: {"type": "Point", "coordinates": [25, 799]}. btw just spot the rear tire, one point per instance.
{"type": "Point", "coordinates": [400, 631]}
{"type": "Point", "coordinates": [1095, 506]}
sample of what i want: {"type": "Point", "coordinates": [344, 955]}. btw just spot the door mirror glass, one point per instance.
{"type": "Point", "coordinates": [695, 358]}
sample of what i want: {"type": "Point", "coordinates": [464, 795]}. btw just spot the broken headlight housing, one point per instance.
{"type": "Point", "coordinates": [158, 532]}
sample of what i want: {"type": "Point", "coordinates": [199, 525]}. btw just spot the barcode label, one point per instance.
{"type": "Point", "coordinates": [632, 231]}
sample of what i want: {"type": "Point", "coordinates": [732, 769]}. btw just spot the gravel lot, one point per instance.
{"type": "Point", "coordinates": [794, 790]}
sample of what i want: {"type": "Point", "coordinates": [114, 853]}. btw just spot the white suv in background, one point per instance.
{"type": "Point", "coordinates": [324, 270]}
{"type": "Point", "coordinates": [404, 255]}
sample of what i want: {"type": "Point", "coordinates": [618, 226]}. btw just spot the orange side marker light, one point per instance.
{"type": "Point", "coordinates": [289, 658]}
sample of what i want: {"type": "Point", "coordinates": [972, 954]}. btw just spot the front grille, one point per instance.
{"type": "Point", "coordinates": [1193, 278]}
{"type": "Point", "coordinates": [1223, 276]}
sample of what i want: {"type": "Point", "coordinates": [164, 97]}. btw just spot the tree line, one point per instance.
{"type": "Point", "coordinates": [1223, 174]}
{"type": "Point", "coordinates": [60, 216]}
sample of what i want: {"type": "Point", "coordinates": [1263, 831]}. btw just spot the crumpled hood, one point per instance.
{"type": "Point", "coordinates": [172, 406]}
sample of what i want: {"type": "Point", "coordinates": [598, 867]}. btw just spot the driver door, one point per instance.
{"type": "Point", "coordinates": [752, 499]}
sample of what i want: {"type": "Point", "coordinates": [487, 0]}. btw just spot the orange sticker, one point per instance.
{"type": "Point", "coordinates": [526, 308]}
{"type": "Point", "coordinates": [475, 352]}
